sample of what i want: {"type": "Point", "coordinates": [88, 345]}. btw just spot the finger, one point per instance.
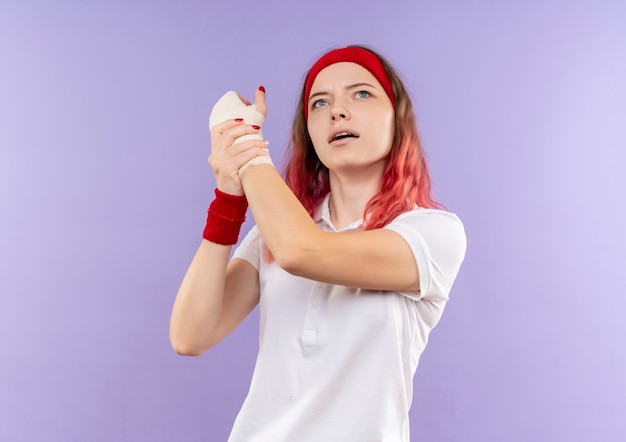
{"type": "Point", "coordinates": [225, 134]}
{"type": "Point", "coordinates": [259, 100]}
{"type": "Point", "coordinates": [224, 125]}
{"type": "Point", "coordinates": [245, 156]}
{"type": "Point", "coordinates": [236, 149]}
{"type": "Point", "coordinates": [227, 148]}
{"type": "Point", "coordinates": [229, 135]}
{"type": "Point", "coordinates": [236, 158]}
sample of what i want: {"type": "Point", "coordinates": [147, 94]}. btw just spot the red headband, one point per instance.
{"type": "Point", "coordinates": [360, 56]}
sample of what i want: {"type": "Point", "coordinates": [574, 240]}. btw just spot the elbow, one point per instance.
{"type": "Point", "coordinates": [185, 351]}
{"type": "Point", "coordinates": [294, 252]}
{"type": "Point", "coordinates": [186, 347]}
{"type": "Point", "coordinates": [290, 258]}
{"type": "Point", "coordinates": [284, 261]}
{"type": "Point", "coordinates": [191, 340]}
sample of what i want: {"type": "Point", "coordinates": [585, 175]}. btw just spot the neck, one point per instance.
{"type": "Point", "coordinates": [349, 196]}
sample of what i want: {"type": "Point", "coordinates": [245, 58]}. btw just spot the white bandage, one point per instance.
{"type": "Point", "coordinates": [230, 107]}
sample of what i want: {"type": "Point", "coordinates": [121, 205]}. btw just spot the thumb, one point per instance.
{"type": "Point", "coordinates": [259, 100]}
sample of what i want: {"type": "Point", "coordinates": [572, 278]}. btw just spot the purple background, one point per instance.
{"type": "Point", "coordinates": [104, 186]}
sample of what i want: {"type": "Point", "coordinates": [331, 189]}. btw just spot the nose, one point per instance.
{"type": "Point", "coordinates": [339, 111]}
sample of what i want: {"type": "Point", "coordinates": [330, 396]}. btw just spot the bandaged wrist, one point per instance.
{"type": "Point", "coordinates": [262, 159]}
{"type": "Point", "coordinates": [224, 219]}
{"type": "Point", "coordinates": [230, 107]}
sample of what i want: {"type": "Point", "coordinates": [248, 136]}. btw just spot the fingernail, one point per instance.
{"type": "Point", "coordinates": [262, 89]}
{"type": "Point", "coordinates": [238, 120]}
{"type": "Point", "coordinates": [255, 127]}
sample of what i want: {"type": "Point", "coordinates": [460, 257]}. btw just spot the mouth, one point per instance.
{"type": "Point", "coordinates": [342, 135]}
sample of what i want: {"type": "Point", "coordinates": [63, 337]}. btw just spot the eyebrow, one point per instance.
{"type": "Point", "coordinates": [351, 86]}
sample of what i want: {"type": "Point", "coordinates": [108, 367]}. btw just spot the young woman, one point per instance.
{"type": "Point", "coordinates": [351, 261]}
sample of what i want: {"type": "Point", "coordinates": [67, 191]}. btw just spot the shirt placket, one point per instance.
{"type": "Point", "coordinates": [309, 332]}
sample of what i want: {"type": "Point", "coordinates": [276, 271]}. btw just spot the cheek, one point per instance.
{"type": "Point", "coordinates": [313, 131]}
{"type": "Point", "coordinates": [389, 134]}
{"type": "Point", "coordinates": [315, 140]}
{"type": "Point", "coordinates": [317, 136]}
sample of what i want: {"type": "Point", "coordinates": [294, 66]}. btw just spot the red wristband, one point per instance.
{"type": "Point", "coordinates": [226, 215]}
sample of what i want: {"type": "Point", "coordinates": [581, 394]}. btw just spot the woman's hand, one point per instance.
{"type": "Point", "coordinates": [228, 154]}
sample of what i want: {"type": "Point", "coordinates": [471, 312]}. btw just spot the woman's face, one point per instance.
{"type": "Point", "coordinates": [351, 119]}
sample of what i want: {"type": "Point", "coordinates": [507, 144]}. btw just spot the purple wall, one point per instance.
{"type": "Point", "coordinates": [104, 186]}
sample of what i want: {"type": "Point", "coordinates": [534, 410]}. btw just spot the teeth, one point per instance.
{"type": "Point", "coordinates": [343, 135]}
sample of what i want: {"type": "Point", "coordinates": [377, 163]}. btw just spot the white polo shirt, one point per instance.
{"type": "Point", "coordinates": [336, 363]}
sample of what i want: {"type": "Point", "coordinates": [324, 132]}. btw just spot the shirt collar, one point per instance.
{"type": "Point", "coordinates": [322, 216]}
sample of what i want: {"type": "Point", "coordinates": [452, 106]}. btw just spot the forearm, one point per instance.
{"type": "Point", "coordinates": [286, 227]}
{"type": "Point", "coordinates": [198, 304]}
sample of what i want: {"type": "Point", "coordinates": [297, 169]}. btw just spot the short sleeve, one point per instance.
{"type": "Point", "coordinates": [438, 242]}
{"type": "Point", "coordinates": [250, 248]}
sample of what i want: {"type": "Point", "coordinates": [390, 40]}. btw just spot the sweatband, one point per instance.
{"type": "Point", "coordinates": [224, 219]}
{"type": "Point", "coordinates": [230, 107]}
{"type": "Point", "coordinates": [360, 56]}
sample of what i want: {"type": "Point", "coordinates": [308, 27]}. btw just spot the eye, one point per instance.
{"type": "Point", "coordinates": [319, 103]}
{"type": "Point", "coordinates": [362, 94]}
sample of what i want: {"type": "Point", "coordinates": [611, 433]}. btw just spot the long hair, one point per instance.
{"type": "Point", "coordinates": [405, 180]}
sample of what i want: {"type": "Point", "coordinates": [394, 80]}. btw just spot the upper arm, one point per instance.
{"type": "Point", "coordinates": [241, 295]}
{"type": "Point", "coordinates": [377, 259]}
{"type": "Point", "coordinates": [417, 251]}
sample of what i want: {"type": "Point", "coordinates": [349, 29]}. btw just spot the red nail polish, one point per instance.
{"type": "Point", "coordinates": [255, 127]}
{"type": "Point", "coordinates": [262, 89]}
{"type": "Point", "coordinates": [238, 120]}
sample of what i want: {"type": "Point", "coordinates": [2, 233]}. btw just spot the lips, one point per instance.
{"type": "Point", "coordinates": [341, 134]}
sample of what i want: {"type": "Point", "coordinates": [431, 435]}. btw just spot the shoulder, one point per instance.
{"type": "Point", "coordinates": [427, 215]}
{"type": "Point", "coordinates": [437, 239]}
{"type": "Point", "coordinates": [430, 222]}
{"type": "Point", "coordinates": [250, 248]}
